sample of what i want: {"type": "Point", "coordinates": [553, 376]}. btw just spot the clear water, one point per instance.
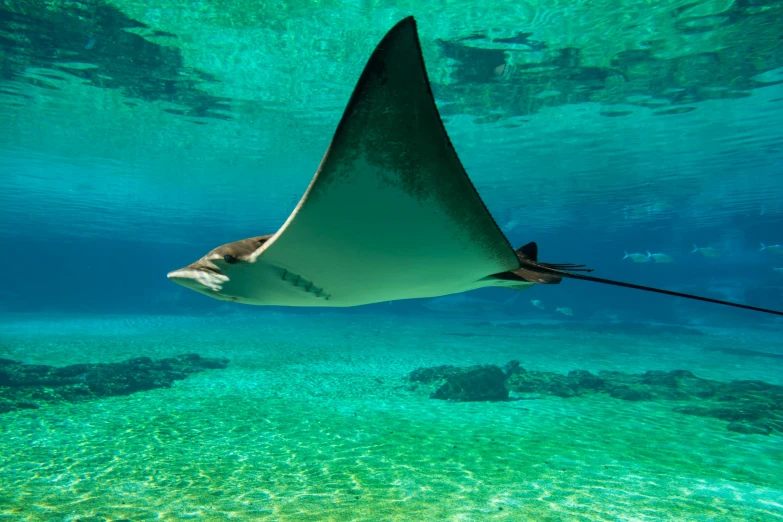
{"type": "Point", "coordinates": [135, 136]}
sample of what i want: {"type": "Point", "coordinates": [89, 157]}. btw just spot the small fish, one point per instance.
{"type": "Point", "coordinates": [707, 251]}
{"type": "Point", "coordinates": [537, 303]}
{"type": "Point", "coordinates": [90, 43]}
{"type": "Point", "coordinates": [564, 310]}
{"type": "Point", "coordinates": [660, 258]}
{"type": "Point", "coordinates": [503, 71]}
{"type": "Point", "coordinates": [778, 269]}
{"type": "Point", "coordinates": [637, 258]}
{"type": "Point", "coordinates": [511, 225]}
{"type": "Point", "coordinates": [778, 249]}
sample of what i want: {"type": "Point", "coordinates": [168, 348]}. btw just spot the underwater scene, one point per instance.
{"type": "Point", "coordinates": [371, 261]}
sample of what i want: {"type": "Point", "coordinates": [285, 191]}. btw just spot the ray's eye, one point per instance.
{"type": "Point", "coordinates": [228, 258]}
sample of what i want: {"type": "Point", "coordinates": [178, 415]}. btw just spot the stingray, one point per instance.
{"type": "Point", "coordinates": [390, 213]}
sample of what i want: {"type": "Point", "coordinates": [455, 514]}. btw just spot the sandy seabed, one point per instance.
{"type": "Point", "coordinates": [312, 421]}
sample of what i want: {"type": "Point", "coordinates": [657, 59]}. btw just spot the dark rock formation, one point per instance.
{"type": "Point", "coordinates": [435, 373]}
{"type": "Point", "coordinates": [627, 393]}
{"type": "Point", "coordinates": [483, 383]}
{"type": "Point", "coordinates": [574, 384]}
{"type": "Point", "coordinates": [542, 382]}
{"type": "Point", "coordinates": [512, 367]}
{"type": "Point", "coordinates": [750, 428]}
{"type": "Point", "coordinates": [26, 386]}
{"type": "Point", "coordinates": [751, 407]}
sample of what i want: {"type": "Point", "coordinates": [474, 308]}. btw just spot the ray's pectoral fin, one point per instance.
{"type": "Point", "coordinates": [552, 273]}
{"type": "Point", "coordinates": [391, 197]}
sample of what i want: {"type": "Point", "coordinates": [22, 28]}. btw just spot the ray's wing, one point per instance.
{"type": "Point", "coordinates": [391, 212]}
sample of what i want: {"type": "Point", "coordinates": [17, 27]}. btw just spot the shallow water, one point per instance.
{"type": "Point", "coordinates": [312, 420]}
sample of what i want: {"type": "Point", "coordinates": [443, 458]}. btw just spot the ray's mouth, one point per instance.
{"type": "Point", "coordinates": [197, 279]}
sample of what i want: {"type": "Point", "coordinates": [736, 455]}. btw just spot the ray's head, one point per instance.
{"type": "Point", "coordinates": [210, 274]}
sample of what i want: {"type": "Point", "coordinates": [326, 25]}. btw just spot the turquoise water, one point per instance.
{"type": "Point", "coordinates": [313, 421]}
{"type": "Point", "coordinates": [136, 136]}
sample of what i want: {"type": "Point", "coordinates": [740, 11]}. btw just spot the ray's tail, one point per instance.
{"type": "Point", "coordinates": [552, 273]}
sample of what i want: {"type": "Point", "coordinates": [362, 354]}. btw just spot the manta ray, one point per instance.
{"type": "Point", "coordinates": [390, 213]}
